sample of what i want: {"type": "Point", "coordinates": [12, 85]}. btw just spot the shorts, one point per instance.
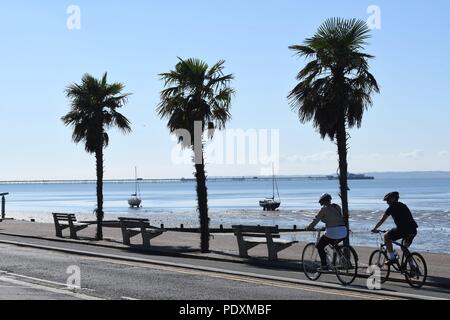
{"type": "Point", "coordinates": [407, 236]}
{"type": "Point", "coordinates": [336, 233]}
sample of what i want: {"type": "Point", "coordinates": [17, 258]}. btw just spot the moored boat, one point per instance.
{"type": "Point", "coordinates": [135, 201]}
{"type": "Point", "coordinates": [270, 204]}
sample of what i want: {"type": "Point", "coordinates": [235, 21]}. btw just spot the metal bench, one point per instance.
{"type": "Point", "coordinates": [132, 227]}
{"type": "Point", "coordinates": [64, 221]}
{"type": "Point", "coordinates": [251, 236]}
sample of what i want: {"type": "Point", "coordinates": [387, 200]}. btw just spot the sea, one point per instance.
{"type": "Point", "coordinates": [236, 201]}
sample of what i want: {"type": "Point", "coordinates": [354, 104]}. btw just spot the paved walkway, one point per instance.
{"type": "Point", "coordinates": [223, 248]}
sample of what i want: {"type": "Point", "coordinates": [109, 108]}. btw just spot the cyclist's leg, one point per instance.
{"type": "Point", "coordinates": [409, 238]}
{"type": "Point", "coordinates": [407, 242]}
{"type": "Point", "coordinates": [323, 242]}
{"type": "Point", "coordinates": [392, 235]}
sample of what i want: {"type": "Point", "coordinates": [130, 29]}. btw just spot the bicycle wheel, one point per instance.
{"type": "Point", "coordinates": [311, 262]}
{"type": "Point", "coordinates": [378, 259]}
{"type": "Point", "coordinates": [416, 270]}
{"type": "Point", "coordinates": [346, 265]}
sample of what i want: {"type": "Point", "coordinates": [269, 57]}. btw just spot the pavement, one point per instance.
{"type": "Point", "coordinates": [178, 249]}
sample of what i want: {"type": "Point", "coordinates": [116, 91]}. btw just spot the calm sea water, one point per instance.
{"type": "Point", "coordinates": [236, 202]}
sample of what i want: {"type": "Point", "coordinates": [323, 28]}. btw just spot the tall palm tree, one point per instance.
{"type": "Point", "coordinates": [335, 87]}
{"type": "Point", "coordinates": [94, 105]}
{"type": "Point", "coordinates": [197, 97]}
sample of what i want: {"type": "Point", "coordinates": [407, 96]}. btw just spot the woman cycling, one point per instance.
{"type": "Point", "coordinates": [336, 230]}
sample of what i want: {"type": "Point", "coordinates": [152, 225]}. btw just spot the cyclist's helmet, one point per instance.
{"type": "Point", "coordinates": [392, 195]}
{"type": "Point", "coordinates": [325, 197]}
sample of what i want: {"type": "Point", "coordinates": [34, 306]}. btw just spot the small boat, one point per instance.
{"type": "Point", "coordinates": [270, 204]}
{"type": "Point", "coordinates": [135, 201]}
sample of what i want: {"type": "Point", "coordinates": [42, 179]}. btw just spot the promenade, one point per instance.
{"type": "Point", "coordinates": [177, 247]}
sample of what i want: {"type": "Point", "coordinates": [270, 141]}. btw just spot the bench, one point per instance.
{"type": "Point", "coordinates": [132, 227]}
{"type": "Point", "coordinates": [251, 236]}
{"type": "Point", "coordinates": [64, 221]}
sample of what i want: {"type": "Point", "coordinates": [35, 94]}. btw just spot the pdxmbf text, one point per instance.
{"type": "Point", "coordinates": [226, 310]}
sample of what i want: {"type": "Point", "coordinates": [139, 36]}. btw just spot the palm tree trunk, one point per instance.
{"type": "Point", "coordinates": [99, 212]}
{"type": "Point", "coordinates": [343, 169]}
{"type": "Point", "coordinates": [202, 198]}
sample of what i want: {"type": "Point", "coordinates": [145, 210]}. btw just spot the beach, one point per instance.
{"type": "Point", "coordinates": [236, 202]}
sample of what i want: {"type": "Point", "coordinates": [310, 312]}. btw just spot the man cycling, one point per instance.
{"type": "Point", "coordinates": [406, 226]}
{"type": "Point", "coordinates": [336, 230]}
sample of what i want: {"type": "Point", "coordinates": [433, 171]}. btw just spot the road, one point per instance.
{"type": "Point", "coordinates": [46, 272]}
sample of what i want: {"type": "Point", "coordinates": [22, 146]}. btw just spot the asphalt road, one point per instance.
{"type": "Point", "coordinates": [108, 279]}
{"type": "Point", "coordinates": [112, 279]}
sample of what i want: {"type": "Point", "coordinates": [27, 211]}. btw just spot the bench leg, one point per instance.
{"type": "Point", "coordinates": [243, 250]}
{"type": "Point", "coordinates": [273, 253]}
{"type": "Point", "coordinates": [73, 234]}
{"type": "Point", "coordinates": [126, 237]}
{"type": "Point", "coordinates": [59, 229]}
{"type": "Point", "coordinates": [275, 248]}
{"type": "Point", "coordinates": [58, 232]}
{"type": "Point", "coordinates": [146, 240]}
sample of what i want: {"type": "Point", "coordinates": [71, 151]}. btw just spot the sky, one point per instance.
{"type": "Point", "coordinates": [43, 51]}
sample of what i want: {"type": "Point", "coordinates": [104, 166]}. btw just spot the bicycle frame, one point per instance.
{"type": "Point", "coordinates": [334, 247]}
{"type": "Point", "coordinates": [398, 266]}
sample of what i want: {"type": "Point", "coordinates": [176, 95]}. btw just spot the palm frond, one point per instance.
{"type": "Point", "coordinates": [194, 92]}
{"type": "Point", "coordinates": [93, 109]}
{"type": "Point", "coordinates": [336, 80]}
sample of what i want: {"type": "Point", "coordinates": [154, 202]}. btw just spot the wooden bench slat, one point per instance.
{"type": "Point", "coordinates": [251, 236]}
{"type": "Point", "coordinates": [68, 221]}
{"type": "Point", "coordinates": [256, 240]}
{"type": "Point", "coordinates": [132, 227]}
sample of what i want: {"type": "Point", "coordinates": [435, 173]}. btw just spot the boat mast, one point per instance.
{"type": "Point", "coordinates": [135, 181]}
{"type": "Point", "coordinates": [273, 182]}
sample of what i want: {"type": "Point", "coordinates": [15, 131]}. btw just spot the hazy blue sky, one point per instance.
{"type": "Point", "coordinates": [407, 128]}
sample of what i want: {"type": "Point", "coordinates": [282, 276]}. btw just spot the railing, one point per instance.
{"type": "Point", "coordinates": [221, 229]}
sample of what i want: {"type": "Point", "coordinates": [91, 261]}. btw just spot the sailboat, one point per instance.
{"type": "Point", "coordinates": [270, 204]}
{"type": "Point", "coordinates": [135, 200]}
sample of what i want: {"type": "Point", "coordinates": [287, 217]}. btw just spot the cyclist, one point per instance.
{"type": "Point", "coordinates": [336, 230]}
{"type": "Point", "coordinates": [406, 226]}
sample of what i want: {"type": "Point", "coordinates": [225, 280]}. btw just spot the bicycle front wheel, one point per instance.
{"type": "Point", "coordinates": [346, 265]}
{"type": "Point", "coordinates": [378, 259]}
{"type": "Point", "coordinates": [416, 270]}
{"type": "Point", "coordinates": [311, 262]}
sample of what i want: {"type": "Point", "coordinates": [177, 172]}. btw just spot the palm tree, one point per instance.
{"type": "Point", "coordinates": [94, 105]}
{"type": "Point", "coordinates": [335, 86]}
{"type": "Point", "coordinates": [197, 98]}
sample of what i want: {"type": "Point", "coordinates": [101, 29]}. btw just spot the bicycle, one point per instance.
{"type": "Point", "coordinates": [341, 259]}
{"type": "Point", "coordinates": [412, 265]}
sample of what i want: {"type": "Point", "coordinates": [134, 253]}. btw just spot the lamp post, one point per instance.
{"type": "Point", "coordinates": [3, 203]}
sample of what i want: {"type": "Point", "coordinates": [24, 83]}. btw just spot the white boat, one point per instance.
{"type": "Point", "coordinates": [270, 204]}
{"type": "Point", "coordinates": [135, 201]}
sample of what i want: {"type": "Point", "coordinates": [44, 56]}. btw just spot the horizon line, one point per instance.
{"type": "Point", "coordinates": [211, 177]}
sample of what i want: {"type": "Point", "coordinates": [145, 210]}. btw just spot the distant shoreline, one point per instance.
{"type": "Point", "coordinates": [377, 175]}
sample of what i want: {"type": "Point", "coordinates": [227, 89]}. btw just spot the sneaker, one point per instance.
{"type": "Point", "coordinates": [390, 262]}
